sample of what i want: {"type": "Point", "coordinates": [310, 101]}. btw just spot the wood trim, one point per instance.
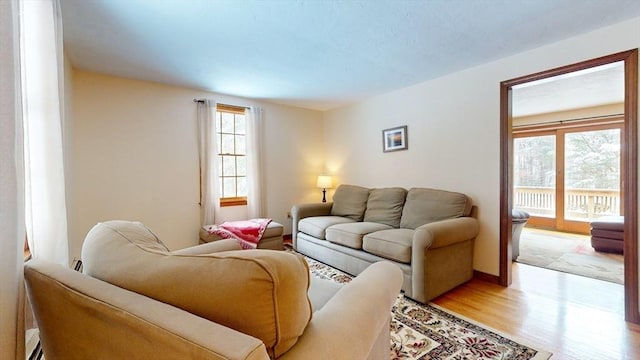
{"type": "Point", "coordinates": [231, 109]}
{"type": "Point", "coordinates": [568, 124]}
{"type": "Point", "coordinates": [486, 277]}
{"type": "Point", "coordinates": [629, 173]}
{"type": "Point", "coordinates": [630, 187]}
{"type": "Point", "coordinates": [506, 184]}
{"type": "Point", "coordinates": [233, 201]}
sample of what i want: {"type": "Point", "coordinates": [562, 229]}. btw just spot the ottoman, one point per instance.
{"type": "Point", "coordinates": [607, 234]}
{"type": "Point", "coordinates": [271, 238]}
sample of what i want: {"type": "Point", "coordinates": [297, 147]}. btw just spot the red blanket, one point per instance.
{"type": "Point", "coordinates": [247, 232]}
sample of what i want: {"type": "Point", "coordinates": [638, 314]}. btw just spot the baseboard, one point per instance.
{"type": "Point", "coordinates": [486, 277]}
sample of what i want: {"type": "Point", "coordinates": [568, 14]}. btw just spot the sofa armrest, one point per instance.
{"type": "Point", "coordinates": [353, 319]}
{"type": "Point", "coordinates": [210, 248]}
{"type": "Point", "coordinates": [301, 211]}
{"type": "Point", "coordinates": [443, 233]}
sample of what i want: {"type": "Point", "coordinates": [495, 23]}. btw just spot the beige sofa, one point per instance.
{"type": "Point", "coordinates": [428, 233]}
{"type": "Point", "coordinates": [137, 300]}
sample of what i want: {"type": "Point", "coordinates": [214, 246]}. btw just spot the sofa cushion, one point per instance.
{"type": "Point", "coordinates": [385, 206]}
{"type": "Point", "coordinates": [316, 226]}
{"type": "Point", "coordinates": [350, 201]}
{"type": "Point", "coordinates": [424, 206]}
{"type": "Point", "coordinates": [351, 234]}
{"type": "Point", "coordinates": [259, 293]}
{"type": "Point", "coordinates": [394, 244]}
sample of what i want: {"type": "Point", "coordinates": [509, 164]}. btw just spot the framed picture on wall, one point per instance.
{"type": "Point", "coordinates": [395, 139]}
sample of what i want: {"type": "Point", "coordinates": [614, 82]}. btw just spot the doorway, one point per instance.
{"type": "Point", "coordinates": [628, 174]}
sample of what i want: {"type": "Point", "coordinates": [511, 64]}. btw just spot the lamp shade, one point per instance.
{"type": "Point", "coordinates": [324, 182]}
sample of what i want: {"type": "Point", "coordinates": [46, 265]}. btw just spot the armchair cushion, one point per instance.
{"type": "Point", "coordinates": [253, 292]}
{"type": "Point", "coordinates": [350, 201]}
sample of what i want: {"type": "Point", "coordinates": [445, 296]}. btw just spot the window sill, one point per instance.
{"type": "Point", "coordinates": [237, 201]}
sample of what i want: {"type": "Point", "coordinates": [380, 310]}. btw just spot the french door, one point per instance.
{"type": "Point", "coordinates": [567, 176]}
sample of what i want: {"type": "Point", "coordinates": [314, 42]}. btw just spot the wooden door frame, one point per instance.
{"type": "Point", "coordinates": [630, 163]}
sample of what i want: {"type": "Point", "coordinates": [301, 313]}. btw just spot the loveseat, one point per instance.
{"type": "Point", "coordinates": [428, 233]}
{"type": "Point", "coordinates": [137, 300]}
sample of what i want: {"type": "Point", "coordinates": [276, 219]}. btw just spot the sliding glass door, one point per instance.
{"type": "Point", "coordinates": [566, 177]}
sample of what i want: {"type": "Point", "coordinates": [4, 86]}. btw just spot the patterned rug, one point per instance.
{"type": "Point", "coordinates": [421, 331]}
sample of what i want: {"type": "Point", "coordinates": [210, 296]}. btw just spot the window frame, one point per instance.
{"type": "Point", "coordinates": [236, 110]}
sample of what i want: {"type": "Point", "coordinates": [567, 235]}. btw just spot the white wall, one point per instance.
{"type": "Point", "coordinates": [453, 126]}
{"type": "Point", "coordinates": [135, 157]}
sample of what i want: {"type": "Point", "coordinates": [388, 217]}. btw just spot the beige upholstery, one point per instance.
{"type": "Point", "coordinates": [351, 234]}
{"type": "Point", "coordinates": [350, 201]}
{"type": "Point", "coordinates": [432, 243]}
{"type": "Point", "coordinates": [384, 206]}
{"type": "Point", "coordinates": [201, 304]}
{"type": "Point", "coordinates": [424, 206]}
{"type": "Point", "coordinates": [258, 298]}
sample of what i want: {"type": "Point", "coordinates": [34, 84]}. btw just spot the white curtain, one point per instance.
{"type": "Point", "coordinates": [42, 64]}
{"type": "Point", "coordinates": [11, 188]}
{"type": "Point", "coordinates": [208, 151]}
{"type": "Point", "coordinates": [255, 203]}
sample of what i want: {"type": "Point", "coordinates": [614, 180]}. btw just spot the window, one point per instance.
{"type": "Point", "coordinates": [566, 175]}
{"type": "Point", "coordinates": [232, 151]}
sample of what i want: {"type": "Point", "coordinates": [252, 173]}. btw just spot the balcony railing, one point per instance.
{"type": "Point", "coordinates": [580, 204]}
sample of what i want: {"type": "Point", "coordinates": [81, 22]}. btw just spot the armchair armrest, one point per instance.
{"type": "Point", "coordinates": [210, 248]}
{"type": "Point", "coordinates": [301, 211]}
{"type": "Point", "coordinates": [351, 324]}
{"type": "Point", "coordinates": [443, 233]}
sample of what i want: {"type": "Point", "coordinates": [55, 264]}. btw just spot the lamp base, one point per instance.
{"type": "Point", "coordinates": [324, 195]}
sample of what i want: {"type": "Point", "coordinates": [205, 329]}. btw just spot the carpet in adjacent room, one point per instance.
{"type": "Point", "coordinates": [570, 253]}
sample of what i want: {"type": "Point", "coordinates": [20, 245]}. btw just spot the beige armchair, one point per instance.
{"type": "Point", "coordinates": [137, 300]}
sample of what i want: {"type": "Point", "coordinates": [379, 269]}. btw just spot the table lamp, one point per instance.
{"type": "Point", "coordinates": [324, 182]}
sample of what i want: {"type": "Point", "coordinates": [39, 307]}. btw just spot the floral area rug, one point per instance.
{"type": "Point", "coordinates": [421, 331]}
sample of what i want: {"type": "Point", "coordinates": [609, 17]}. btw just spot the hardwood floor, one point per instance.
{"type": "Point", "coordinates": [573, 317]}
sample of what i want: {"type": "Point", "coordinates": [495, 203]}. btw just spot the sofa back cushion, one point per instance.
{"type": "Point", "coordinates": [350, 201]}
{"type": "Point", "coordinates": [384, 206]}
{"type": "Point", "coordinates": [424, 206]}
{"type": "Point", "coordinates": [257, 292]}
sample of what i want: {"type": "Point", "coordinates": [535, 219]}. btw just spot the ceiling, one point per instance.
{"type": "Point", "coordinates": [315, 54]}
{"type": "Point", "coordinates": [600, 85]}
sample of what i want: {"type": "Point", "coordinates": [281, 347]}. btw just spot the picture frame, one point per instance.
{"type": "Point", "coordinates": [395, 139]}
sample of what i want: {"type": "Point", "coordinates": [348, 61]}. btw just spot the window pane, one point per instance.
{"type": "Point", "coordinates": [227, 144]}
{"type": "Point", "coordinates": [592, 174]}
{"type": "Point", "coordinates": [242, 186]}
{"type": "Point", "coordinates": [228, 166]}
{"type": "Point", "coordinates": [241, 146]}
{"type": "Point", "coordinates": [229, 185]}
{"type": "Point", "coordinates": [241, 165]}
{"type": "Point", "coordinates": [534, 175]}
{"type": "Point", "coordinates": [227, 123]}
{"type": "Point", "coordinates": [241, 124]}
